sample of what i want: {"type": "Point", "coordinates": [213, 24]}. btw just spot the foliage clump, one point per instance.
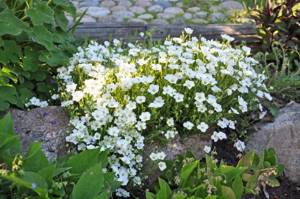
{"type": "Point", "coordinates": [34, 40]}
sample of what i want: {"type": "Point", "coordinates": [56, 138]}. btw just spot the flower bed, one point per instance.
{"type": "Point", "coordinates": [121, 94]}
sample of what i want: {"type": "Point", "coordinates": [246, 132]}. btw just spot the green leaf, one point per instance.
{"type": "Point", "coordinates": [35, 159]}
{"type": "Point", "coordinates": [90, 184]}
{"type": "Point", "coordinates": [41, 14]}
{"type": "Point", "coordinates": [44, 37]}
{"type": "Point", "coordinates": [228, 193]}
{"type": "Point", "coordinates": [86, 159]}
{"type": "Point", "coordinates": [8, 94]}
{"type": "Point", "coordinates": [6, 125]}
{"type": "Point", "coordinates": [10, 24]}
{"type": "Point", "coordinates": [150, 195]}
{"type": "Point", "coordinates": [273, 182]}
{"type": "Point", "coordinates": [61, 20]}
{"type": "Point", "coordinates": [10, 146]}
{"type": "Point", "coordinates": [30, 59]}
{"type": "Point", "coordinates": [186, 172]}
{"type": "Point", "coordinates": [238, 187]}
{"type": "Point", "coordinates": [10, 52]}
{"type": "Point", "coordinates": [165, 191]}
{"type": "Point", "coordinates": [47, 173]}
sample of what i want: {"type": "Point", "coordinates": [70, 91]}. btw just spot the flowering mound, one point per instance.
{"type": "Point", "coordinates": [119, 94]}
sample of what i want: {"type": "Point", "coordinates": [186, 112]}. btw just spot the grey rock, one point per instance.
{"type": "Point", "coordinates": [163, 3]}
{"type": "Point", "coordinates": [118, 8]}
{"type": "Point", "coordinates": [173, 11]}
{"type": "Point", "coordinates": [178, 146]}
{"type": "Point", "coordinates": [193, 9]}
{"type": "Point", "coordinates": [121, 15]}
{"type": "Point", "coordinates": [155, 8]}
{"type": "Point", "coordinates": [143, 3]}
{"type": "Point", "coordinates": [283, 134]}
{"type": "Point", "coordinates": [98, 12]}
{"type": "Point", "coordinates": [215, 17]}
{"type": "Point", "coordinates": [90, 3]}
{"type": "Point", "coordinates": [108, 3]}
{"type": "Point", "coordinates": [47, 125]}
{"type": "Point", "coordinates": [137, 9]}
{"type": "Point", "coordinates": [146, 16]}
{"type": "Point", "coordinates": [231, 5]}
{"type": "Point", "coordinates": [159, 22]}
{"type": "Point", "coordinates": [187, 15]}
{"type": "Point", "coordinates": [88, 19]}
{"type": "Point", "coordinates": [201, 14]}
{"type": "Point", "coordinates": [125, 3]}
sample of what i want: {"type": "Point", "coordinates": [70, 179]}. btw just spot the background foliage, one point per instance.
{"type": "Point", "coordinates": [34, 40]}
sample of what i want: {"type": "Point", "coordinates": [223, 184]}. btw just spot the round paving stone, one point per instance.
{"type": "Point", "coordinates": [118, 8]}
{"type": "Point", "coordinates": [163, 3]}
{"type": "Point", "coordinates": [146, 17]}
{"type": "Point", "coordinates": [137, 9]}
{"type": "Point", "coordinates": [160, 21]}
{"type": "Point", "coordinates": [193, 9]}
{"type": "Point", "coordinates": [97, 12]}
{"type": "Point", "coordinates": [88, 19]}
{"type": "Point", "coordinates": [165, 16]}
{"type": "Point", "coordinates": [143, 3]}
{"type": "Point", "coordinates": [201, 14]}
{"type": "Point", "coordinates": [215, 17]}
{"type": "Point", "coordinates": [187, 15]}
{"type": "Point", "coordinates": [123, 15]}
{"type": "Point", "coordinates": [155, 9]}
{"type": "Point", "coordinates": [231, 5]}
{"type": "Point", "coordinates": [173, 10]}
{"type": "Point", "coordinates": [107, 3]}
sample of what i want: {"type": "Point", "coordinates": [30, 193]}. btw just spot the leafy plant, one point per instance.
{"type": "Point", "coordinates": [282, 68]}
{"type": "Point", "coordinates": [211, 181]}
{"type": "Point", "coordinates": [34, 39]}
{"type": "Point", "coordinates": [32, 175]}
{"type": "Point", "coordinates": [279, 21]}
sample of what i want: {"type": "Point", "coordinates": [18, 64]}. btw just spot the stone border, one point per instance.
{"type": "Point", "coordinates": [130, 31]}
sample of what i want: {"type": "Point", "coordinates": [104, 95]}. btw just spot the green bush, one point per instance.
{"type": "Point", "coordinates": [31, 175]}
{"type": "Point", "coordinates": [211, 181]}
{"type": "Point", "coordinates": [34, 40]}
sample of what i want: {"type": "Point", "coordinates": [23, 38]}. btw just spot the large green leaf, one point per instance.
{"type": "Point", "coordinates": [10, 52]}
{"type": "Point", "coordinates": [186, 172]}
{"type": "Point", "coordinates": [10, 24]}
{"type": "Point", "coordinates": [228, 193]}
{"type": "Point", "coordinates": [8, 95]}
{"type": "Point", "coordinates": [30, 60]}
{"type": "Point", "coordinates": [84, 160]}
{"type": "Point", "coordinates": [6, 125]}
{"type": "Point", "coordinates": [165, 191]}
{"type": "Point", "coordinates": [41, 13]}
{"type": "Point", "coordinates": [90, 184]}
{"type": "Point", "coordinates": [44, 37]}
{"type": "Point", "coordinates": [35, 159]}
{"type": "Point", "coordinates": [238, 187]}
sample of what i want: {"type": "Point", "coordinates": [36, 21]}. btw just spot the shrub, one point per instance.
{"type": "Point", "coordinates": [279, 21]}
{"type": "Point", "coordinates": [33, 176]}
{"type": "Point", "coordinates": [34, 40]}
{"type": "Point", "coordinates": [121, 94]}
{"type": "Point", "coordinates": [211, 181]}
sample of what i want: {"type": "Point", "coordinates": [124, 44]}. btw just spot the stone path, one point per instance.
{"type": "Point", "coordinates": [158, 11]}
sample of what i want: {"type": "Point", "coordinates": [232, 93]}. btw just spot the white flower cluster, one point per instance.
{"type": "Point", "coordinates": [36, 102]}
{"type": "Point", "coordinates": [118, 94]}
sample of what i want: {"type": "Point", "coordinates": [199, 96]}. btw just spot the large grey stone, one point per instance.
{"type": "Point", "coordinates": [283, 134]}
{"type": "Point", "coordinates": [231, 5]}
{"type": "Point", "coordinates": [47, 125]}
{"type": "Point", "coordinates": [97, 12]}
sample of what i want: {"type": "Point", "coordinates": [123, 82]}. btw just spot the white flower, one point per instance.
{"type": "Point", "coordinates": [170, 122]}
{"type": "Point", "coordinates": [227, 37]}
{"type": "Point", "coordinates": [188, 125]}
{"type": "Point", "coordinates": [153, 89]}
{"type": "Point", "coordinates": [157, 103]}
{"type": "Point", "coordinates": [189, 84]}
{"type": "Point", "coordinates": [122, 193]}
{"type": "Point", "coordinates": [239, 145]}
{"type": "Point", "coordinates": [142, 34]}
{"type": "Point", "coordinates": [140, 99]}
{"type": "Point", "coordinates": [157, 156]}
{"type": "Point", "coordinates": [145, 116]}
{"type": "Point", "coordinates": [207, 149]}
{"type": "Point", "coordinates": [162, 166]}
{"type": "Point", "coordinates": [202, 127]}
{"type": "Point", "coordinates": [216, 136]}
{"type": "Point", "coordinates": [188, 31]}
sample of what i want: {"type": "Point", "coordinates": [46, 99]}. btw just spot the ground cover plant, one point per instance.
{"type": "Point", "coordinates": [31, 175]}
{"type": "Point", "coordinates": [34, 40]}
{"type": "Point", "coordinates": [210, 180]}
{"type": "Point", "coordinates": [121, 95]}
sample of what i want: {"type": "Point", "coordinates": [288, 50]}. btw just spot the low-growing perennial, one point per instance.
{"type": "Point", "coordinates": [121, 94]}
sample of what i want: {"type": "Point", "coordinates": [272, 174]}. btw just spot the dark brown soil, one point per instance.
{"type": "Point", "coordinates": [287, 189]}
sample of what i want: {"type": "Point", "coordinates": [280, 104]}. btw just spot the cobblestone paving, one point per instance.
{"type": "Point", "coordinates": [158, 11]}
